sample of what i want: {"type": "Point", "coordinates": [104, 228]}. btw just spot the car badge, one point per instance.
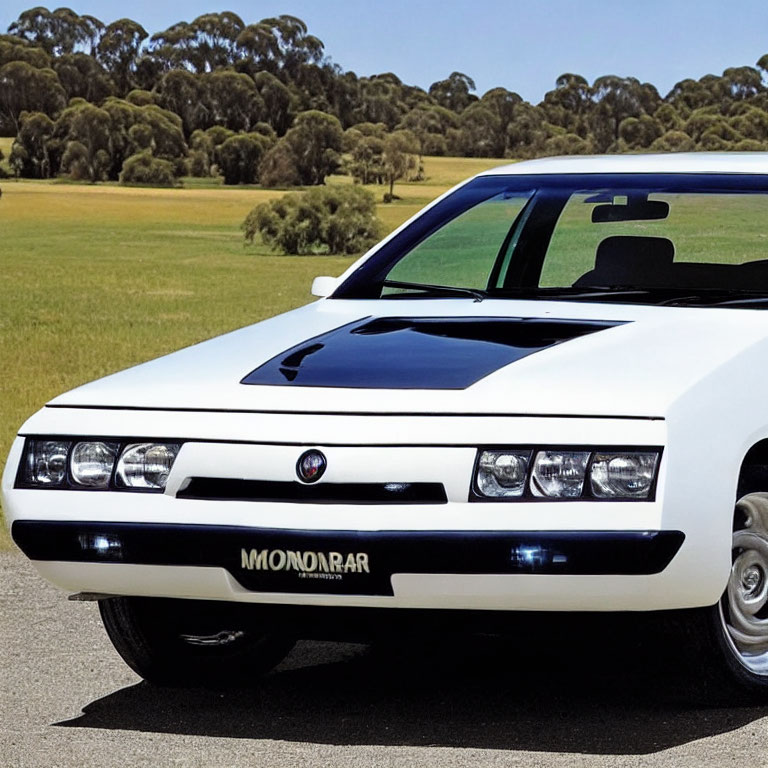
{"type": "Point", "coordinates": [311, 466]}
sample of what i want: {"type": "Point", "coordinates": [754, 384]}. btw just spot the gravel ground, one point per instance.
{"type": "Point", "coordinates": [66, 699]}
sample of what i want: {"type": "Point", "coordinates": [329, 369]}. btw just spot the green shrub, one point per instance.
{"type": "Point", "coordinates": [239, 156]}
{"type": "Point", "coordinates": [749, 145]}
{"type": "Point", "coordinates": [673, 141]}
{"type": "Point", "coordinates": [142, 168]}
{"type": "Point", "coordinates": [278, 168]}
{"type": "Point", "coordinates": [329, 220]}
{"type": "Point", "coordinates": [198, 164]}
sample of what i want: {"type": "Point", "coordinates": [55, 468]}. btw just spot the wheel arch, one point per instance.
{"type": "Point", "coordinates": [753, 472]}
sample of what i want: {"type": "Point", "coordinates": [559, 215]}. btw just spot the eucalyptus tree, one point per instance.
{"type": "Point", "coordinates": [30, 154]}
{"type": "Point", "coordinates": [315, 140]}
{"type": "Point", "coordinates": [689, 95]}
{"type": "Point", "coordinates": [615, 99]}
{"type": "Point", "coordinates": [379, 100]}
{"type": "Point", "coordinates": [82, 76]}
{"type": "Point", "coordinates": [570, 103]}
{"type": "Point", "coordinates": [27, 88]}
{"type": "Point", "coordinates": [203, 45]}
{"type": "Point", "coordinates": [118, 51]}
{"type": "Point", "coordinates": [742, 83]}
{"type": "Point", "coordinates": [399, 159]}
{"type": "Point", "coordinates": [455, 92]}
{"type": "Point", "coordinates": [281, 45]}
{"type": "Point", "coordinates": [183, 93]}
{"type": "Point", "coordinates": [481, 133]}
{"type": "Point", "coordinates": [278, 101]}
{"type": "Point", "coordinates": [232, 99]}
{"type": "Point", "coordinates": [86, 131]}
{"type": "Point", "coordinates": [431, 125]}
{"type": "Point", "coordinates": [60, 31]}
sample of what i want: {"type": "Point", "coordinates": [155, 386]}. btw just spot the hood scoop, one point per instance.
{"type": "Point", "coordinates": [416, 352]}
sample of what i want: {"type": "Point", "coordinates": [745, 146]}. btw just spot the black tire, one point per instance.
{"type": "Point", "coordinates": [716, 676]}
{"type": "Point", "coordinates": [191, 642]}
{"type": "Point", "coordinates": [728, 642]}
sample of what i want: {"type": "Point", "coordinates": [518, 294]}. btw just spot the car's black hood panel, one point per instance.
{"type": "Point", "coordinates": [416, 353]}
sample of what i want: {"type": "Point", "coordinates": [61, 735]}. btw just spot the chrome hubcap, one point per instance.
{"type": "Point", "coordinates": [751, 579]}
{"type": "Point", "coordinates": [744, 607]}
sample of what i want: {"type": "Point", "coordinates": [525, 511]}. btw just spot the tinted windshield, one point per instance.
{"type": "Point", "coordinates": [643, 238]}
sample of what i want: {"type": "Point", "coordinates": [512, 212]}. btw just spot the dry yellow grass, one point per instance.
{"type": "Point", "coordinates": [446, 171]}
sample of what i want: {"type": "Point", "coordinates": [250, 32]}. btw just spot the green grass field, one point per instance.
{"type": "Point", "coordinates": [98, 277]}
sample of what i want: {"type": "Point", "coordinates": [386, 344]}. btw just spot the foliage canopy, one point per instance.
{"type": "Point", "coordinates": [228, 79]}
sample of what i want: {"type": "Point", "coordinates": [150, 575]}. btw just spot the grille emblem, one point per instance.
{"type": "Point", "coordinates": [310, 466]}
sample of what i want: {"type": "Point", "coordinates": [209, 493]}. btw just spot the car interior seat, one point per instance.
{"type": "Point", "coordinates": [631, 260]}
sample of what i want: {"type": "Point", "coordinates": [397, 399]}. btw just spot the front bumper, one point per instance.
{"type": "Point", "coordinates": [347, 563]}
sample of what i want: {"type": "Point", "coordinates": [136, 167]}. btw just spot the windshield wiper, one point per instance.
{"type": "Point", "coordinates": [716, 297]}
{"type": "Point", "coordinates": [571, 292]}
{"type": "Point", "coordinates": [659, 296]}
{"type": "Point", "coordinates": [743, 300]}
{"type": "Point", "coordinates": [475, 293]}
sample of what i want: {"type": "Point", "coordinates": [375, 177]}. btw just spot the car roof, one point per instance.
{"type": "Point", "coordinates": [677, 162]}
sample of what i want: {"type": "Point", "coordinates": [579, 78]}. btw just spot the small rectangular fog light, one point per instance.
{"type": "Point", "coordinates": [103, 545]}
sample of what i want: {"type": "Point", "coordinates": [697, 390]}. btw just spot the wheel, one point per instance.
{"type": "Point", "coordinates": [743, 609]}
{"type": "Point", "coordinates": [191, 642]}
{"type": "Point", "coordinates": [730, 639]}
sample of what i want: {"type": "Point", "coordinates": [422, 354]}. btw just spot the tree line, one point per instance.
{"type": "Point", "coordinates": [263, 103]}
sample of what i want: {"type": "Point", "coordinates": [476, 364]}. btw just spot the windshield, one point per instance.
{"type": "Point", "coordinates": [685, 239]}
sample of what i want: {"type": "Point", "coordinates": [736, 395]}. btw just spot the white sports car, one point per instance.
{"type": "Point", "coordinates": [542, 393]}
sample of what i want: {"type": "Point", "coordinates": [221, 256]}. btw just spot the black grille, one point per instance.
{"type": "Point", "coordinates": [323, 493]}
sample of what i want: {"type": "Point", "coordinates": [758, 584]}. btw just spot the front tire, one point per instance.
{"type": "Point", "coordinates": [730, 639]}
{"type": "Point", "coordinates": [191, 642]}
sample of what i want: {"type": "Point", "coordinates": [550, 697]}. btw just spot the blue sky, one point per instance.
{"type": "Point", "coordinates": [522, 46]}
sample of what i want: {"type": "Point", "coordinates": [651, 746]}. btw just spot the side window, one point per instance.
{"type": "Point", "coordinates": [461, 253]}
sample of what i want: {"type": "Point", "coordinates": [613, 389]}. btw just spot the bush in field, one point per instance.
{"type": "Point", "coordinates": [143, 168]}
{"type": "Point", "coordinates": [333, 220]}
{"type": "Point", "coordinates": [239, 156]}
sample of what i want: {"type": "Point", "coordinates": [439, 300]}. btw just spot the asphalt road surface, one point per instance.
{"type": "Point", "coordinates": [66, 699]}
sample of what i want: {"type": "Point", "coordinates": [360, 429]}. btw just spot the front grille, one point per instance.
{"type": "Point", "coordinates": [225, 489]}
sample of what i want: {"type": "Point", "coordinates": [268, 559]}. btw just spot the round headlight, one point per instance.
{"type": "Point", "coordinates": [146, 465]}
{"type": "Point", "coordinates": [623, 475]}
{"type": "Point", "coordinates": [46, 462]}
{"type": "Point", "coordinates": [559, 474]}
{"type": "Point", "coordinates": [502, 473]}
{"type": "Point", "coordinates": [91, 463]}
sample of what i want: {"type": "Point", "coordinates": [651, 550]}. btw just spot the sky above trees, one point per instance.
{"type": "Point", "coordinates": [520, 46]}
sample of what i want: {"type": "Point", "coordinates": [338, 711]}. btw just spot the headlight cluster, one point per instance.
{"type": "Point", "coordinates": [546, 473]}
{"type": "Point", "coordinates": [97, 464]}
